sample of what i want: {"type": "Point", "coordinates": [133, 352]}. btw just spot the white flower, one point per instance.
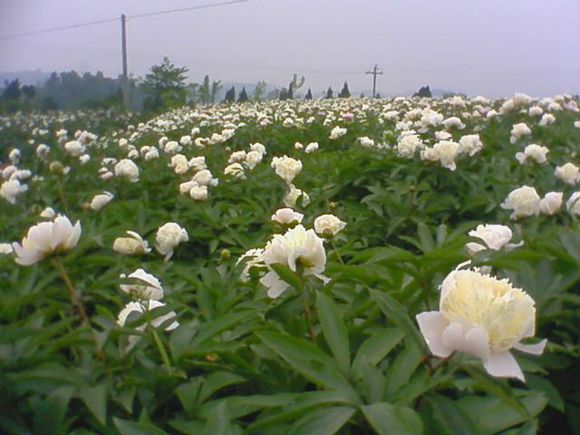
{"type": "Point", "coordinates": [311, 147]}
{"type": "Point", "coordinates": [205, 178]}
{"type": "Point", "coordinates": [482, 316]}
{"type": "Point", "coordinates": [252, 258]}
{"type": "Point", "coordinates": [551, 203]}
{"type": "Point", "coordinates": [100, 200]}
{"type": "Point", "coordinates": [253, 158]}
{"type": "Point", "coordinates": [11, 189]}
{"type": "Point", "coordinates": [518, 131]}
{"type": "Point", "coordinates": [152, 154]}
{"type": "Point", "coordinates": [470, 144]}
{"type": "Point", "coordinates": [444, 151]}
{"type": "Point", "coordinates": [287, 216]}
{"type": "Point", "coordinates": [454, 122]}
{"type": "Point", "coordinates": [84, 159]}
{"type": "Point", "coordinates": [179, 164]}
{"type": "Point", "coordinates": [134, 245]}
{"type": "Point", "coordinates": [494, 237]}
{"type": "Point", "coordinates": [533, 152]}
{"type": "Point", "coordinates": [286, 168]}
{"type": "Point", "coordinates": [128, 169]}
{"type": "Point", "coordinates": [168, 237]}
{"type": "Point", "coordinates": [172, 147]}
{"type": "Point", "coordinates": [328, 225]}
{"type": "Point", "coordinates": [258, 147]}
{"type": "Point", "coordinates": [46, 238]}
{"type": "Point", "coordinates": [573, 204]}
{"type": "Point", "coordinates": [137, 309]}
{"type": "Point", "coordinates": [235, 170]}
{"type": "Point", "coordinates": [292, 196]}
{"type": "Point", "coordinates": [74, 148]}
{"type": "Point", "coordinates": [198, 163]}
{"type": "Point", "coordinates": [408, 144]}
{"type": "Point", "coordinates": [298, 146]}
{"type": "Point", "coordinates": [237, 157]}
{"type": "Point", "coordinates": [337, 132]}
{"type": "Point", "coordinates": [48, 213]}
{"type": "Point", "coordinates": [6, 249]}
{"type": "Point", "coordinates": [14, 156]}
{"type": "Point", "coordinates": [142, 285]}
{"type": "Point", "coordinates": [568, 173]}
{"type": "Point", "coordinates": [524, 201]}
{"type": "Point", "coordinates": [366, 142]}
{"type": "Point", "coordinates": [547, 119]}
{"type": "Point", "coordinates": [42, 151]}
{"type": "Point", "coordinates": [535, 111]}
{"type": "Point", "coordinates": [297, 247]}
{"type": "Point", "coordinates": [198, 193]}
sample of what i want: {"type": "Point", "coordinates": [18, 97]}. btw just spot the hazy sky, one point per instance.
{"type": "Point", "coordinates": [488, 47]}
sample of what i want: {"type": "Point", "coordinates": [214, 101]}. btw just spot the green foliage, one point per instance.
{"type": "Point", "coordinates": [165, 86]}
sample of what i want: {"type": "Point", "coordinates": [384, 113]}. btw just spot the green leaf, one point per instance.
{"type": "Point", "coordinates": [395, 311]}
{"type": "Point", "coordinates": [127, 427]}
{"type": "Point", "coordinates": [389, 419]}
{"type": "Point", "coordinates": [334, 330]}
{"type": "Point", "coordinates": [95, 399]}
{"type": "Point", "coordinates": [376, 347]}
{"type": "Point", "coordinates": [218, 422]}
{"type": "Point", "coordinates": [288, 276]}
{"type": "Point", "coordinates": [216, 381]}
{"type": "Point", "coordinates": [545, 386]}
{"type": "Point", "coordinates": [308, 360]}
{"type": "Point", "coordinates": [322, 421]}
{"type": "Point", "coordinates": [403, 368]}
{"type": "Point", "coordinates": [425, 237]}
{"type": "Point", "coordinates": [451, 416]}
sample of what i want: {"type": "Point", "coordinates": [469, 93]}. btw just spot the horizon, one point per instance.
{"type": "Point", "coordinates": [522, 46]}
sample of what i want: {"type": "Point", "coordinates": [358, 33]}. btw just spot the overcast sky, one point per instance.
{"type": "Point", "coordinates": [487, 47]}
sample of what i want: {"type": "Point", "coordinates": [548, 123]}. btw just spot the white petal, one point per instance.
{"type": "Point", "coordinates": [473, 341]}
{"type": "Point", "coordinates": [275, 285]}
{"type": "Point", "coordinates": [534, 349]}
{"type": "Point", "coordinates": [432, 324]}
{"type": "Point", "coordinates": [503, 365]}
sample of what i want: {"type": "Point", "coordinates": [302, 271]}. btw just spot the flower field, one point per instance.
{"type": "Point", "coordinates": [352, 266]}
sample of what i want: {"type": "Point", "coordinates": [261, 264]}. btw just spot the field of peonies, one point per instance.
{"type": "Point", "coordinates": [352, 266]}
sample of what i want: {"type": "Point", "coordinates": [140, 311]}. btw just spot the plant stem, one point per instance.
{"type": "Point", "coordinates": [336, 251]}
{"type": "Point", "coordinates": [308, 313]}
{"type": "Point", "coordinates": [62, 197]}
{"type": "Point", "coordinates": [161, 348]}
{"type": "Point", "coordinates": [74, 296]}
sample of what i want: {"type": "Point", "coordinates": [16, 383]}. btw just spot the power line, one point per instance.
{"type": "Point", "coordinates": [192, 8]}
{"type": "Point", "coordinates": [58, 29]}
{"type": "Point", "coordinates": [110, 20]}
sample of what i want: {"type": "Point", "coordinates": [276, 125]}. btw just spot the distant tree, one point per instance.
{"type": "Point", "coordinates": [329, 93]}
{"type": "Point", "coordinates": [345, 92]}
{"type": "Point", "coordinates": [230, 95]}
{"type": "Point", "coordinates": [423, 92]}
{"type": "Point", "coordinates": [284, 94]}
{"type": "Point", "coordinates": [378, 95]}
{"type": "Point", "coordinates": [294, 85]}
{"type": "Point", "coordinates": [243, 96]}
{"type": "Point", "coordinates": [215, 88]}
{"type": "Point", "coordinates": [274, 94]}
{"type": "Point", "coordinates": [260, 90]}
{"type": "Point", "coordinates": [12, 90]}
{"type": "Point", "coordinates": [205, 91]}
{"type": "Point", "coordinates": [308, 95]}
{"type": "Point", "coordinates": [47, 104]}
{"type": "Point", "coordinates": [29, 92]}
{"type": "Point", "coordinates": [165, 85]}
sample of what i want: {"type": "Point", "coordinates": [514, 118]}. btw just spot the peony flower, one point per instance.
{"type": "Point", "coordinates": [6, 249]}
{"type": "Point", "coordinates": [408, 144]}
{"type": "Point", "coordinates": [253, 158]}
{"type": "Point", "coordinates": [198, 193]}
{"type": "Point", "coordinates": [470, 144]}
{"type": "Point", "coordinates": [547, 119]}
{"type": "Point", "coordinates": [47, 238]}
{"type": "Point", "coordinates": [328, 225]}
{"type": "Point", "coordinates": [134, 245]}
{"type": "Point", "coordinates": [494, 237]}
{"type": "Point", "coordinates": [292, 196]}
{"type": "Point", "coordinates": [137, 309]}
{"type": "Point", "coordinates": [297, 247]}
{"type": "Point", "coordinates": [518, 131]}
{"type": "Point", "coordinates": [484, 317]}
{"type": "Point", "coordinates": [311, 147]}
{"type": "Point", "coordinates": [533, 152]}
{"type": "Point", "coordinates": [128, 169]}
{"type": "Point", "coordinates": [74, 148]}
{"type": "Point", "coordinates": [252, 258]}
{"type": "Point", "coordinates": [100, 200]}
{"type": "Point", "coordinates": [287, 217]}
{"type": "Point", "coordinates": [568, 173]}
{"type": "Point", "coordinates": [444, 151]}
{"type": "Point", "coordinates": [551, 203]}
{"type": "Point", "coordinates": [235, 170]}
{"type": "Point", "coordinates": [337, 132]}
{"type": "Point", "coordinates": [9, 190]}
{"type": "Point", "coordinates": [48, 213]}
{"type": "Point", "coordinates": [573, 204]}
{"type": "Point", "coordinates": [286, 168]}
{"type": "Point", "coordinates": [168, 237]}
{"type": "Point", "coordinates": [524, 201]}
{"type": "Point", "coordinates": [205, 178]}
{"type": "Point", "coordinates": [144, 286]}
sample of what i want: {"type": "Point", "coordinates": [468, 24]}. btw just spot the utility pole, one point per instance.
{"type": "Point", "coordinates": [375, 72]}
{"type": "Point", "coordinates": [125, 78]}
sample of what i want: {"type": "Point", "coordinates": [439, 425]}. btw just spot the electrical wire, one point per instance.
{"type": "Point", "coordinates": [58, 29]}
{"type": "Point", "coordinates": [192, 8]}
